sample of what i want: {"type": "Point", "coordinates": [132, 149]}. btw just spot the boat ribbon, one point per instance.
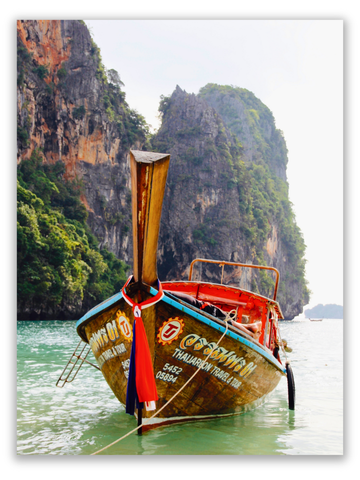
{"type": "Point", "coordinates": [141, 387]}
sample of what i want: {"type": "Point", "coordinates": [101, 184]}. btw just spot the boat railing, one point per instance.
{"type": "Point", "coordinates": [222, 264]}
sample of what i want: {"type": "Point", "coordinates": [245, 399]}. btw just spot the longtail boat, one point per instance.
{"type": "Point", "coordinates": [177, 351]}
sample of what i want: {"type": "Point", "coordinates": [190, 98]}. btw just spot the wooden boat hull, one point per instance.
{"type": "Point", "coordinates": [238, 375]}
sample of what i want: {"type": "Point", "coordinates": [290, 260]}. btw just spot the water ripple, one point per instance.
{"type": "Point", "coordinates": [85, 416]}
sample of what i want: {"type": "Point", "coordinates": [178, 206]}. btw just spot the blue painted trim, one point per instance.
{"type": "Point", "coordinates": [105, 304]}
{"type": "Point", "coordinates": [222, 329]}
{"type": "Point", "coordinates": [110, 301]}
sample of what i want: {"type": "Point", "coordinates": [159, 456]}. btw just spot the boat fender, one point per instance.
{"type": "Point", "coordinates": [291, 386]}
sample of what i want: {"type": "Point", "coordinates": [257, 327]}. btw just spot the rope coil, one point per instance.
{"type": "Point", "coordinates": [227, 318]}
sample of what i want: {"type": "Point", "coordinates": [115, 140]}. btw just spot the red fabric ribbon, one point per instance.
{"type": "Point", "coordinates": [145, 381]}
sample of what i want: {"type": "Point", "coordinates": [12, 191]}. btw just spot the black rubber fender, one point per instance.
{"type": "Point", "coordinates": [291, 386]}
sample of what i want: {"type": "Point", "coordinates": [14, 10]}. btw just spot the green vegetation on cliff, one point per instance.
{"type": "Point", "coordinates": [60, 270]}
{"type": "Point", "coordinates": [224, 142]}
{"type": "Point", "coordinates": [251, 122]}
{"type": "Point", "coordinates": [226, 197]}
{"type": "Point", "coordinates": [131, 125]}
{"type": "Point", "coordinates": [262, 184]}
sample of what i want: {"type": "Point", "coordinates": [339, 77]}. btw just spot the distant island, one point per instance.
{"type": "Point", "coordinates": [325, 311]}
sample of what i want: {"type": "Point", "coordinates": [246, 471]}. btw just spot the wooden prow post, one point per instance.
{"type": "Point", "coordinates": [148, 181]}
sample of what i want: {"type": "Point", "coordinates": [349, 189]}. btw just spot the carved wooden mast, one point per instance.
{"type": "Point", "coordinates": [148, 181]}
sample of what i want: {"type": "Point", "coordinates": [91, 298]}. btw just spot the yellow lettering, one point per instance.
{"type": "Point", "coordinates": [110, 331]}
{"type": "Point", "coordinates": [200, 344]}
{"type": "Point", "coordinates": [245, 372]}
{"type": "Point", "coordinates": [115, 329]}
{"type": "Point", "coordinates": [209, 348]}
{"type": "Point", "coordinates": [188, 340]}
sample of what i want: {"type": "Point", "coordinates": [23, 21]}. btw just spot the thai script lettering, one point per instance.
{"type": "Point", "coordinates": [223, 356]}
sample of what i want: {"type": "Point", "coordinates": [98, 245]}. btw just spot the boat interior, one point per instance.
{"type": "Point", "coordinates": [252, 315]}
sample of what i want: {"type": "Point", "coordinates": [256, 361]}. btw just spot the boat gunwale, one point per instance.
{"type": "Point", "coordinates": [219, 324]}
{"type": "Point", "coordinates": [230, 287]}
{"type": "Point", "coordinates": [194, 312]}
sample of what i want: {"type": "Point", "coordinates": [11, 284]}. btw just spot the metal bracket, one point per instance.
{"type": "Point", "coordinates": [73, 366]}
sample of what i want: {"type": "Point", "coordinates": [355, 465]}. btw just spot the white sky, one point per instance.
{"type": "Point", "coordinates": [295, 67]}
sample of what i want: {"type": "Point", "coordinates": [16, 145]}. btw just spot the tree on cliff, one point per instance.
{"type": "Point", "coordinates": [60, 270]}
{"type": "Point", "coordinates": [114, 78]}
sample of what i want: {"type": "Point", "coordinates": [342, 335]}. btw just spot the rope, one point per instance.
{"type": "Point", "coordinates": [287, 362]}
{"type": "Point", "coordinates": [227, 318]}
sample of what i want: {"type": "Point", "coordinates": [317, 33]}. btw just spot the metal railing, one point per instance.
{"type": "Point", "coordinates": [73, 367]}
{"type": "Point", "coordinates": [234, 264]}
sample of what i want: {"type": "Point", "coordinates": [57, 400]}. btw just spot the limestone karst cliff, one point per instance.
{"type": "Point", "coordinates": [252, 123]}
{"type": "Point", "coordinates": [68, 108]}
{"type": "Point", "coordinates": [226, 196]}
{"type": "Point", "coordinates": [72, 116]}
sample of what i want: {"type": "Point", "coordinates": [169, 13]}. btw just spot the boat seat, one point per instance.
{"type": "Point", "coordinates": [206, 307]}
{"type": "Point", "coordinates": [252, 329]}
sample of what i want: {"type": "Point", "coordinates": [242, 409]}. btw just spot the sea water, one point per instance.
{"type": "Point", "coordinates": [84, 416]}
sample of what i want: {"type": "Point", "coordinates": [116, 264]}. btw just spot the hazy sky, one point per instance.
{"type": "Point", "coordinates": [295, 67]}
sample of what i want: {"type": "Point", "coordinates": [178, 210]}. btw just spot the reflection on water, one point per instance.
{"type": "Point", "coordinates": [85, 416]}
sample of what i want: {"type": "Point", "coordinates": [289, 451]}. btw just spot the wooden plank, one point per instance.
{"type": "Point", "coordinates": [220, 388]}
{"type": "Point", "coordinates": [148, 181]}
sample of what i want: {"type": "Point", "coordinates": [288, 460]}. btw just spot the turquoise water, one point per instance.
{"type": "Point", "coordinates": [85, 416]}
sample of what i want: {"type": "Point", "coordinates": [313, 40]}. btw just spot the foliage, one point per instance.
{"type": "Point", "coordinates": [132, 126]}
{"type": "Point", "coordinates": [50, 87]}
{"type": "Point", "coordinates": [114, 78]}
{"type": "Point", "coordinates": [62, 73]}
{"type": "Point", "coordinates": [22, 135]}
{"type": "Point", "coordinates": [263, 195]}
{"type": "Point", "coordinates": [41, 71]}
{"type": "Point", "coordinates": [268, 144]}
{"type": "Point", "coordinates": [59, 263]}
{"type": "Point", "coordinates": [24, 58]}
{"type": "Point", "coordinates": [79, 112]}
{"type": "Point", "coordinates": [204, 233]}
{"type": "Point", "coordinates": [164, 104]}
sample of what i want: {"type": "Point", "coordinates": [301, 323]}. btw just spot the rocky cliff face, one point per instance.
{"type": "Point", "coordinates": [197, 213]}
{"type": "Point", "coordinates": [226, 194]}
{"type": "Point", "coordinates": [69, 110]}
{"type": "Point", "coordinates": [214, 205]}
{"type": "Point", "coordinates": [252, 123]}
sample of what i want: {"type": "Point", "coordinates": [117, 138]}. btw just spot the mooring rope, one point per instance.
{"type": "Point", "coordinates": [287, 362]}
{"type": "Point", "coordinates": [227, 318]}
